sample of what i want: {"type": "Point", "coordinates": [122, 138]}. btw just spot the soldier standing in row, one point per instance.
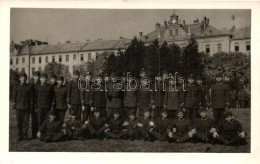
{"type": "Point", "coordinates": [219, 99]}
{"type": "Point", "coordinates": [33, 113]}
{"type": "Point", "coordinates": [44, 98]}
{"type": "Point", "coordinates": [73, 95]}
{"type": "Point", "coordinates": [191, 99]}
{"type": "Point", "coordinates": [60, 93]}
{"type": "Point", "coordinates": [22, 100]}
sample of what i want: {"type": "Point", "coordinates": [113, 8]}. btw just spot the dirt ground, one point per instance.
{"type": "Point", "coordinates": [109, 145]}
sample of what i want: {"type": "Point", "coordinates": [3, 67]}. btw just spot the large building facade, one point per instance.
{"type": "Point", "coordinates": [34, 55]}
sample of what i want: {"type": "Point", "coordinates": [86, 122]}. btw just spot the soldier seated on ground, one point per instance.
{"type": "Point", "coordinates": [114, 129]}
{"type": "Point", "coordinates": [129, 127]}
{"type": "Point", "coordinates": [50, 131]}
{"type": "Point", "coordinates": [161, 130]}
{"type": "Point", "coordinates": [74, 128]}
{"type": "Point", "coordinates": [230, 131]}
{"type": "Point", "coordinates": [204, 127]}
{"type": "Point", "coordinates": [144, 126]}
{"type": "Point", "coordinates": [180, 130]}
{"type": "Point", "coordinates": [96, 125]}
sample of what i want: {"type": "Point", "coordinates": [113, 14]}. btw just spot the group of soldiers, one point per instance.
{"type": "Point", "coordinates": [178, 115]}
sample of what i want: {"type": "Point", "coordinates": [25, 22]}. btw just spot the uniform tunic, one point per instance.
{"type": "Point", "coordinates": [229, 130]}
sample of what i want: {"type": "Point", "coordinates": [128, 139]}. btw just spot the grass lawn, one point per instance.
{"type": "Point", "coordinates": [94, 145]}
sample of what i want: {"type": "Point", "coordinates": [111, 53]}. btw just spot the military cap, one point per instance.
{"type": "Point", "coordinates": [61, 78]}
{"type": "Point", "coordinates": [88, 73]}
{"type": "Point", "coordinates": [96, 110]}
{"type": "Point", "coordinates": [191, 76]}
{"type": "Point", "coordinates": [53, 76]}
{"type": "Point", "coordinates": [201, 109]}
{"type": "Point", "coordinates": [131, 113]}
{"type": "Point", "coordinates": [199, 77]}
{"type": "Point", "coordinates": [37, 73]}
{"type": "Point", "coordinates": [116, 112]}
{"type": "Point", "coordinates": [44, 75]}
{"type": "Point", "coordinates": [180, 111]}
{"type": "Point", "coordinates": [165, 72]}
{"type": "Point", "coordinates": [142, 70]}
{"type": "Point", "coordinates": [228, 113]}
{"type": "Point", "coordinates": [22, 74]}
{"type": "Point", "coordinates": [76, 72]}
{"type": "Point", "coordinates": [164, 111]}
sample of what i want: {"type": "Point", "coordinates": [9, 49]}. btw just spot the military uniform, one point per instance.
{"type": "Point", "coordinates": [203, 127]}
{"type": "Point", "coordinates": [50, 130]}
{"type": "Point", "coordinates": [183, 127]}
{"type": "Point", "coordinates": [228, 132]}
{"type": "Point", "coordinates": [99, 100]}
{"type": "Point", "coordinates": [96, 126]}
{"type": "Point", "coordinates": [113, 100]}
{"type": "Point", "coordinates": [191, 100]}
{"type": "Point", "coordinates": [219, 100]}
{"type": "Point", "coordinates": [161, 130]}
{"type": "Point", "coordinates": [86, 100]}
{"type": "Point", "coordinates": [33, 112]}
{"type": "Point", "coordinates": [22, 100]}
{"type": "Point", "coordinates": [144, 98]}
{"type": "Point", "coordinates": [144, 131]}
{"type": "Point", "coordinates": [172, 100]}
{"type": "Point", "coordinates": [73, 98]}
{"type": "Point", "coordinates": [75, 129]}
{"type": "Point", "coordinates": [44, 101]}
{"type": "Point", "coordinates": [158, 98]}
{"type": "Point", "coordinates": [115, 128]}
{"type": "Point", "coordinates": [130, 102]}
{"type": "Point", "coordinates": [130, 128]}
{"type": "Point", "coordinates": [60, 93]}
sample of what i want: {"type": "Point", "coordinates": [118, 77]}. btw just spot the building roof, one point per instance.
{"type": "Point", "coordinates": [34, 49]}
{"type": "Point", "coordinates": [63, 48]}
{"type": "Point", "coordinates": [240, 33]}
{"type": "Point", "coordinates": [103, 45]}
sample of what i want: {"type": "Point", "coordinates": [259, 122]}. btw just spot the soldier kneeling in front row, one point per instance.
{"type": "Point", "coordinates": [180, 130]}
{"type": "Point", "coordinates": [230, 131]}
{"type": "Point", "coordinates": [130, 127]}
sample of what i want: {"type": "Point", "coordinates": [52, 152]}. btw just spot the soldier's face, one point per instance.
{"type": "Point", "coordinates": [131, 117]}
{"type": "Point", "coordinates": [59, 82]}
{"type": "Point", "coordinates": [52, 117]}
{"type": "Point", "coordinates": [143, 74]}
{"type": "Point", "coordinates": [191, 80]}
{"type": "Point", "coordinates": [203, 114]}
{"type": "Point", "coordinates": [43, 79]}
{"type": "Point", "coordinates": [199, 82]}
{"type": "Point", "coordinates": [218, 79]}
{"type": "Point", "coordinates": [35, 78]}
{"type": "Point", "coordinates": [146, 114]}
{"type": "Point", "coordinates": [52, 80]}
{"type": "Point", "coordinates": [180, 115]}
{"type": "Point", "coordinates": [172, 82]}
{"type": "Point", "coordinates": [75, 76]}
{"type": "Point", "coordinates": [73, 117]}
{"type": "Point", "coordinates": [88, 77]}
{"type": "Point", "coordinates": [228, 118]}
{"type": "Point", "coordinates": [98, 80]}
{"type": "Point", "coordinates": [164, 114]}
{"type": "Point", "coordinates": [22, 80]}
{"type": "Point", "coordinates": [165, 76]}
{"type": "Point", "coordinates": [97, 114]}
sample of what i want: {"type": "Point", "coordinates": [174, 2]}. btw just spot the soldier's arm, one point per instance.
{"type": "Point", "coordinates": [14, 96]}
{"type": "Point", "coordinates": [36, 96]}
{"type": "Point", "coordinates": [69, 87]}
{"type": "Point", "coordinates": [227, 96]}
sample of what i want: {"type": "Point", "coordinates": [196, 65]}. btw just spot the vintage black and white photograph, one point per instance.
{"type": "Point", "coordinates": [130, 80]}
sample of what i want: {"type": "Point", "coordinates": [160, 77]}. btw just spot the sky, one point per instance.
{"type": "Point", "coordinates": [60, 25]}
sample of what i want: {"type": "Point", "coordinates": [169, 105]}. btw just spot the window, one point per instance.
{"type": "Point", "coordinates": [74, 57]}
{"type": "Point", "coordinates": [17, 60]}
{"type": "Point", "coordinates": [46, 59]}
{"type": "Point", "coordinates": [170, 32]}
{"type": "Point", "coordinates": [219, 47]}
{"type": "Point", "coordinates": [236, 47]}
{"type": "Point", "coordinates": [40, 59]}
{"type": "Point", "coordinates": [39, 69]}
{"type": "Point", "coordinates": [81, 57]}
{"type": "Point", "coordinates": [23, 60]}
{"type": "Point", "coordinates": [60, 58]}
{"type": "Point", "coordinates": [67, 68]}
{"type": "Point", "coordinates": [11, 61]}
{"type": "Point", "coordinates": [248, 48]}
{"type": "Point", "coordinates": [53, 59]}
{"type": "Point", "coordinates": [89, 56]}
{"type": "Point", "coordinates": [23, 69]}
{"type": "Point", "coordinates": [33, 70]}
{"type": "Point", "coordinates": [67, 58]}
{"type": "Point", "coordinates": [33, 60]}
{"type": "Point", "coordinates": [208, 48]}
{"type": "Point", "coordinates": [176, 31]}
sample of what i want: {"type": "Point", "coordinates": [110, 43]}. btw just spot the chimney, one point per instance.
{"type": "Point", "coordinates": [189, 31]}
{"type": "Point", "coordinates": [207, 21]}
{"type": "Point", "coordinates": [140, 34]}
{"type": "Point", "coordinates": [157, 26]}
{"type": "Point", "coordinates": [204, 22]}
